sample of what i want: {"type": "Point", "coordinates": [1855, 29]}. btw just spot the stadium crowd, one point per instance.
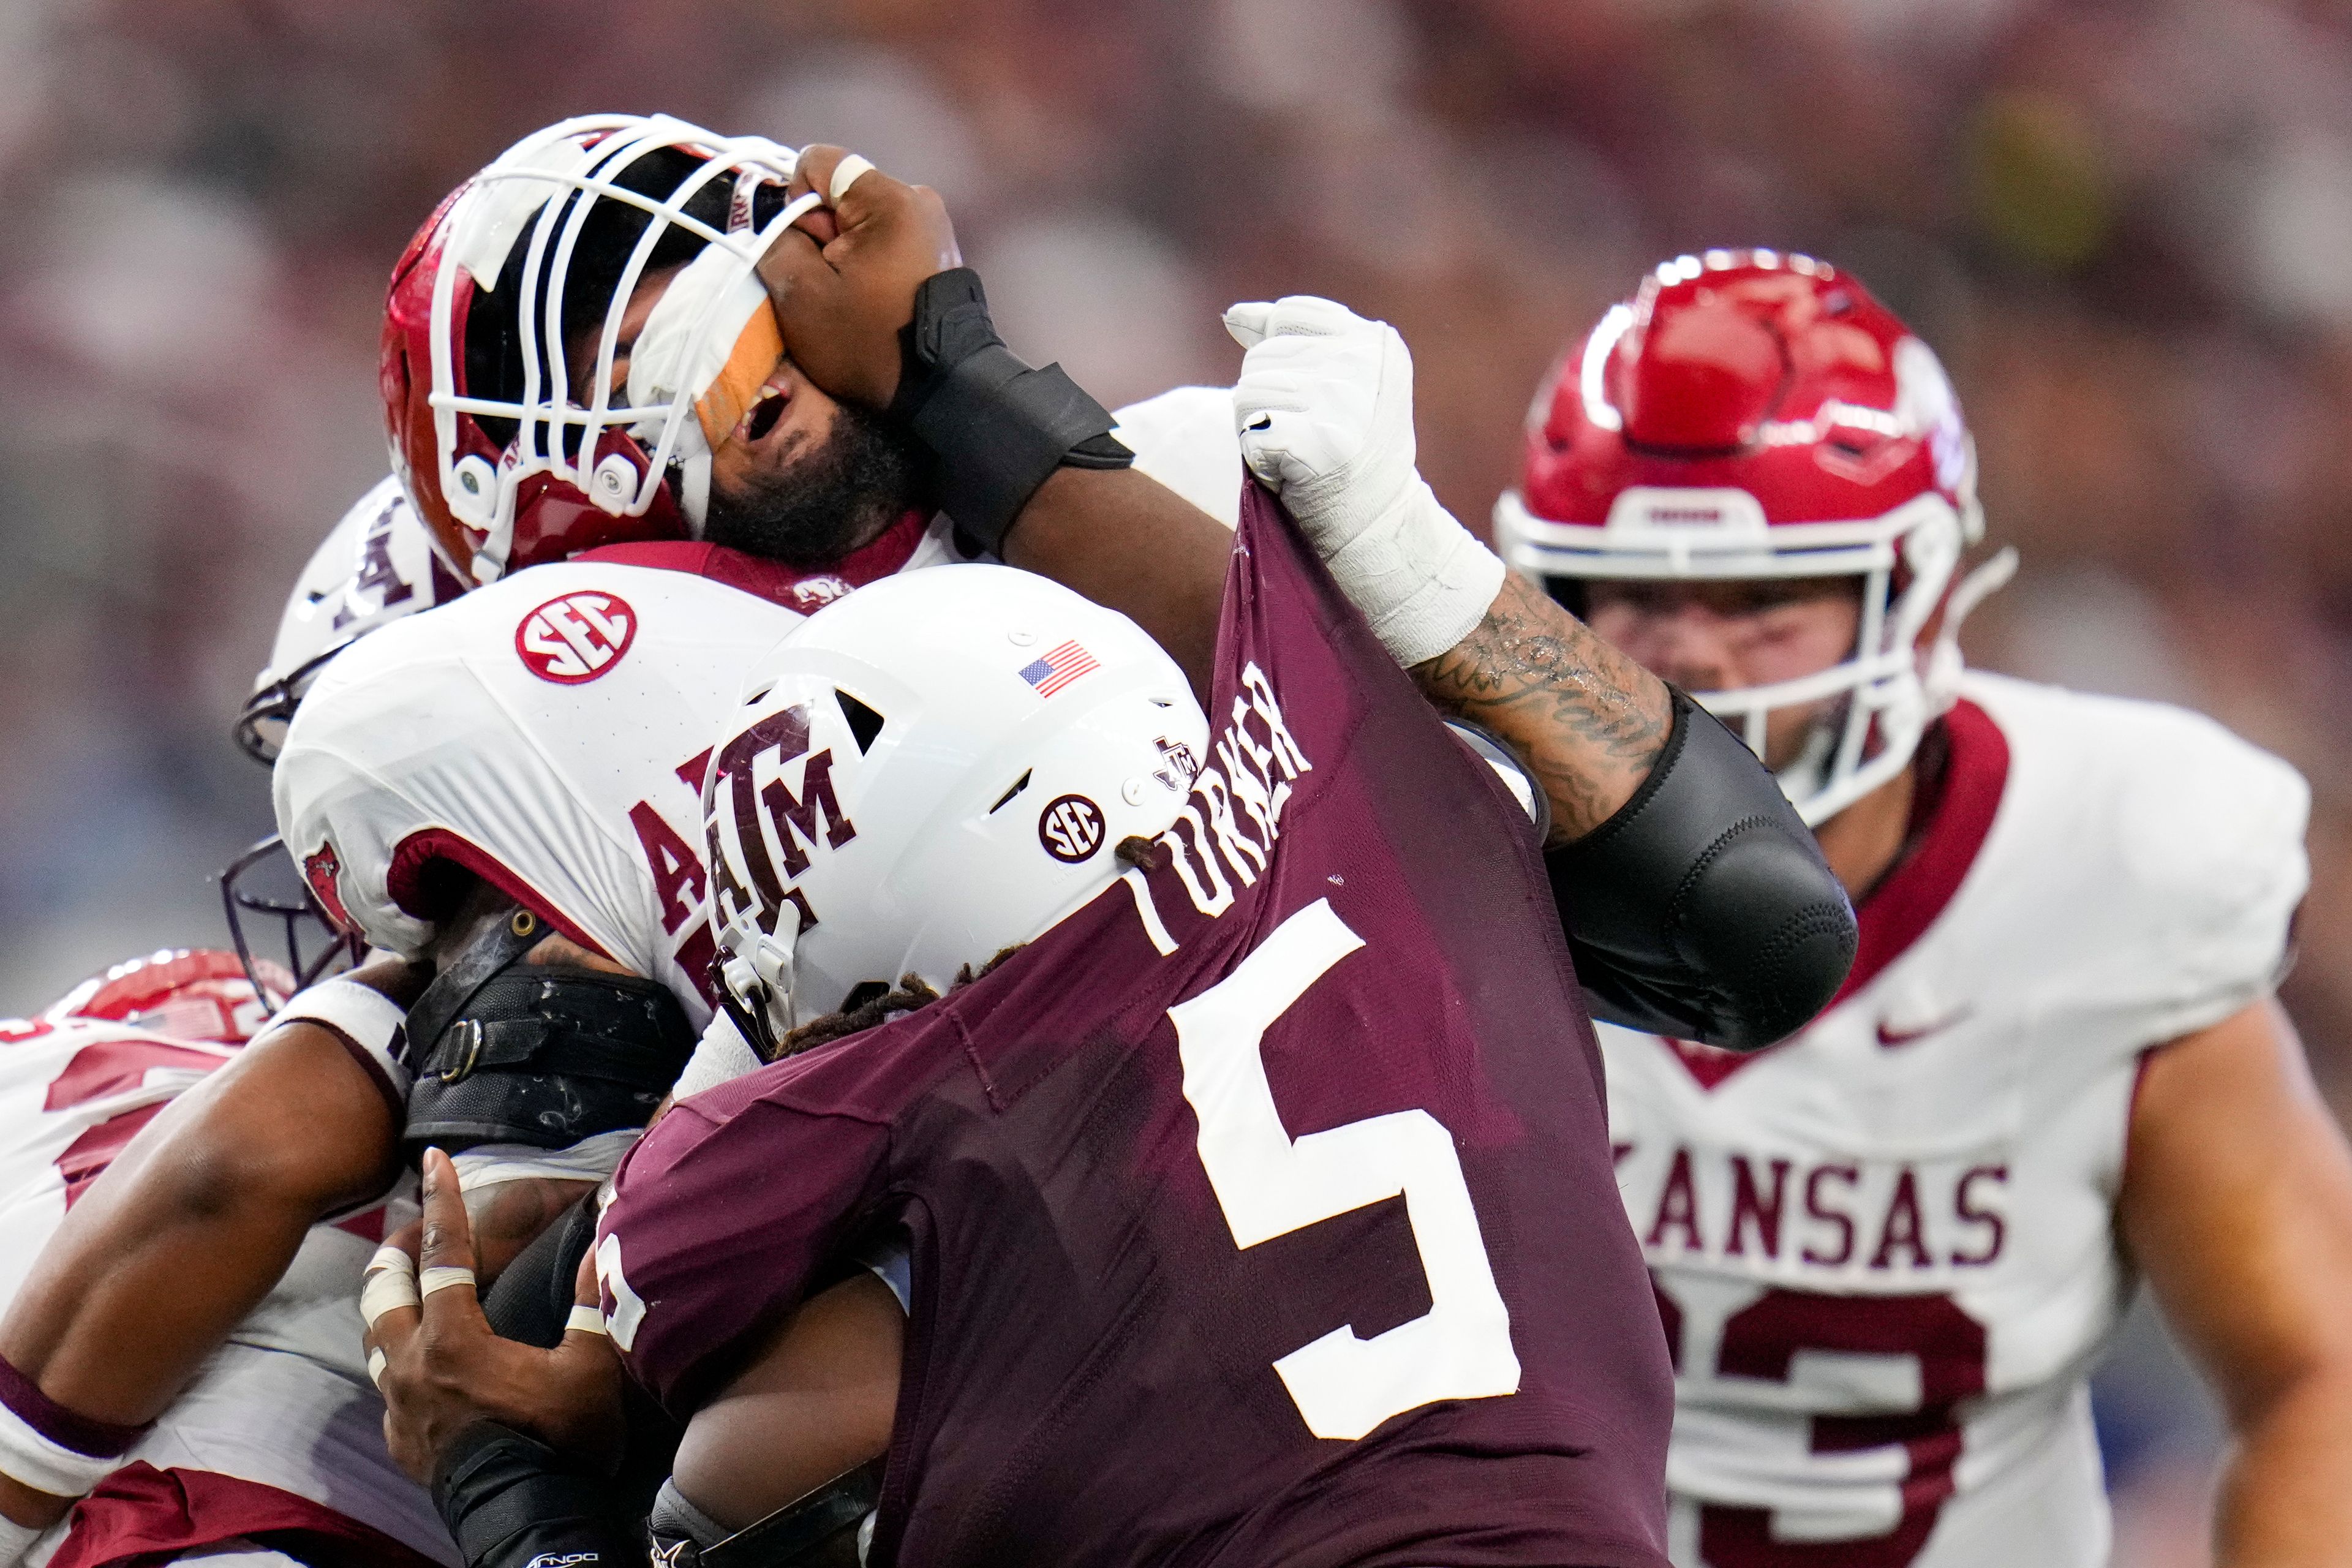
{"type": "Point", "coordinates": [2121, 224]}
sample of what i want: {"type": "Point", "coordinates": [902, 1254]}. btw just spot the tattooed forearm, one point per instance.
{"type": "Point", "coordinates": [1590, 721]}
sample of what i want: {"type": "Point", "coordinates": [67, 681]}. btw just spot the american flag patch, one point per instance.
{"type": "Point", "coordinates": [1058, 668]}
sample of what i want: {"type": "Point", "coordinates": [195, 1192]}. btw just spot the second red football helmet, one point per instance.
{"type": "Point", "coordinates": [189, 993]}
{"type": "Point", "coordinates": [1756, 413]}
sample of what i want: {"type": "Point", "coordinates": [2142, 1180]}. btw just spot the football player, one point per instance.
{"type": "Point", "coordinates": [1889, 1250]}
{"type": "Point", "coordinates": [275, 1452]}
{"type": "Point", "coordinates": [137, 1292]}
{"type": "Point", "coordinates": [1098, 1368]}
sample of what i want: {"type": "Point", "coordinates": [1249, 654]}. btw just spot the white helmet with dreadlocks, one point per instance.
{"type": "Point", "coordinates": [936, 768]}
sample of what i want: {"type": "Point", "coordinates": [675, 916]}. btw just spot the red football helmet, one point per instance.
{"type": "Point", "coordinates": [1755, 413]}
{"type": "Point", "coordinates": [197, 994]}
{"type": "Point", "coordinates": [509, 475]}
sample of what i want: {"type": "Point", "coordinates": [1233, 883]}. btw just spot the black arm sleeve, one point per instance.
{"type": "Point", "coordinates": [509, 1501]}
{"type": "Point", "coordinates": [1703, 908]}
{"type": "Point", "coordinates": [530, 1303]}
{"type": "Point", "coordinates": [531, 1298]}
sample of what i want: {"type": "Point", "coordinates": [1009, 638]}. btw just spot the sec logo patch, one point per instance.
{"type": "Point", "coordinates": [1071, 829]}
{"type": "Point", "coordinates": [576, 637]}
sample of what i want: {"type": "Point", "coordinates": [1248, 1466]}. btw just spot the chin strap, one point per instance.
{"type": "Point", "coordinates": [545, 1057]}
{"type": "Point", "coordinates": [754, 971]}
{"type": "Point", "coordinates": [1808, 775]}
{"type": "Point", "coordinates": [1942, 680]}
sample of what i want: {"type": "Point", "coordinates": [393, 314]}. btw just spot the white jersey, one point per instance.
{"type": "Point", "coordinates": [1184, 438]}
{"type": "Point", "coordinates": [285, 1402]}
{"type": "Point", "coordinates": [549, 733]}
{"type": "Point", "coordinates": [1884, 1249]}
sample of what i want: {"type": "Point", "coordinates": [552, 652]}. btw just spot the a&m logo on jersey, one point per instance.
{"type": "Point", "coordinates": [1071, 829]}
{"type": "Point", "coordinates": [1058, 667]}
{"type": "Point", "coordinates": [576, 637]}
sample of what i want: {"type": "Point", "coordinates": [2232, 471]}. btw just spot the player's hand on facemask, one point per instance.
{"type": "Point", "coordinates": [1324, 410]}
{"type": "Point", "coordinates": [442, 1369]}
{"type": "Point", "coordinates": [843, 280]}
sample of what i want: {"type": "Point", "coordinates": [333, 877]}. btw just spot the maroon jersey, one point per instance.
{"type": "Point", "coordinates": [1260, 1213]}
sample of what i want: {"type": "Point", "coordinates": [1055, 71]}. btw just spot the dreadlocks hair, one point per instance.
{"type": "Point", "coordinates": [1143, 854]}
{"type": "Point", "coordinates": [870, 1004]}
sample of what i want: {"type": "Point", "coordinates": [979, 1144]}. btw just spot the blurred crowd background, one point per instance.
{"type": "Point", "coordinates": [2127, 226]}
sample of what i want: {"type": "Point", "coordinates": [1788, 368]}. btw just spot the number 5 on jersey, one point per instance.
{"type": "Point", "coordinates": [1269, 1186]}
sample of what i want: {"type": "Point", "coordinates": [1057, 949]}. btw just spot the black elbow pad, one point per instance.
{"type": "Point", "coordinates": [1703, 908]}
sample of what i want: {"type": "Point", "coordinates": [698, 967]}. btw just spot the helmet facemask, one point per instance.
{"type": "Point", "coordinates": [521, 464]}
{"type": "Point", "coordinates": [263, 887]}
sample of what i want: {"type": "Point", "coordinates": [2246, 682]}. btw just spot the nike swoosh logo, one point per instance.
{"type": "Point", "coordinates": [1891, 1038]}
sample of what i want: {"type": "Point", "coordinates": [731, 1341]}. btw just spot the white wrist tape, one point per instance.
{"type": "Point", "coordinates": [38, 1461]}
{"type": "Point", "coordinates": [1422, 579]}
{"type": "Point", "coordinates": [389, 1284]}
{"type": "Point", "coordinates": [365, 1016]}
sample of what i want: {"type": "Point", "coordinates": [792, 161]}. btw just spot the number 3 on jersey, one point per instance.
{"type": "Point", "coordinates": [1269, 1186]}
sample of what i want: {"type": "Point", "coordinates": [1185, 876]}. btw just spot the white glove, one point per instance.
{"type": "Point", "coordinates": [1324, 409]}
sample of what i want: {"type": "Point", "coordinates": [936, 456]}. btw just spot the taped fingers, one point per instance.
{"type": "Point", "coordinates": [445, 1260]}
{"type": "Point", "coordinates": [389, 1284]}
{"type": "Point", "coordinates": [829, 171]}
{"type": "Point", "coordinates": [444, 1278]}
{"type": "Point", "coordinates": [846, 174]}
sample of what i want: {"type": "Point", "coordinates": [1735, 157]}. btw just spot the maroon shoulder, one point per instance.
{"type": "Point", "coordinates": [740, 1196]}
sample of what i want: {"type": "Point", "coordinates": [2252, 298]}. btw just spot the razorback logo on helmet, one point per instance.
{"type": "Point", "coordinates": [576, 637]}
{"type": "Point", "coordinates": [1071, 829]}
{"type": "Point", "coordinates": [811, 594]}
{"type": "Point", "coordinates": [321, 868]}
{"type": "Point", "coordinates": [802, 820]}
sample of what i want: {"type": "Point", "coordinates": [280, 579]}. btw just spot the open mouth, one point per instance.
{"type": "Point", "coordinates": [764, 413]}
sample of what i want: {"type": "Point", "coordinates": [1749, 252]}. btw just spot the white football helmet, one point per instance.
{"type": "Point", "coordinates": [934, 769]}
{"type": "Point", "coordinates": [374, 566]}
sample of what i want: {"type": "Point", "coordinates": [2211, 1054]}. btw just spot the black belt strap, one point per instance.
{"type": "Point", "coordinates": [465, 975]}
{"type": "Point", "coordinates": [519, 1042]}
